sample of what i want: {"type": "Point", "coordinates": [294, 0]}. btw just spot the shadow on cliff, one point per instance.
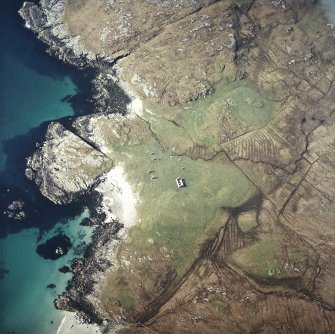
{"type": "Point", "coordinates": [40, 212]}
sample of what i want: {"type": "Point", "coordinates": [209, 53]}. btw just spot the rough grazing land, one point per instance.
{"type": "Point", "coordinates": [239, 99]}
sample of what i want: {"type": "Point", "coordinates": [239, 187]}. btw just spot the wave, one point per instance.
{"type": "Point", "coordinates": [329, 6]}
{"type": "Point", "coordinates": [61, 325]}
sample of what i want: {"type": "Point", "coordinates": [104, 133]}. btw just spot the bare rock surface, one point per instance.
{"type": "Point", "coordinates": [46, 21]}
{"type": "Point", "coordinates": [65, 166]}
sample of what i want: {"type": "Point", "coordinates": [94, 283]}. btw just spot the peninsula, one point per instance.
{"type": "Point", "coordinates": [235, 99]}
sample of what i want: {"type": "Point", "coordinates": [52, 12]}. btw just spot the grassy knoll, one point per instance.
{"type": "Point", "coordinates": [260, 258]}
{"type": "Point", "coordinates": [247, 221]}
{"type": "Point", "coordinates": [233, 110]}
{"type": "Point", "coordinates": [274, 257]}
{"type": "Point", "coordinates": [176, 217]}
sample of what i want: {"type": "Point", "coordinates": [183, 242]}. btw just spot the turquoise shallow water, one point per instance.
{"type": "Point", "coordinates": [25, 301]}
{"type": "Point", "coordinates": [32, 84]}
{"type": "Point", "coordinates": [33, 90]}
{"type": "Point", "coordinates": [29, 99]}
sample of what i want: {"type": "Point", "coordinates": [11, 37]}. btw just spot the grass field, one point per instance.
{"type": "Point", "coordinates": [204, 122]}
{"type": "Point", "coordinates": [261, 258]}
{"type": "Point", "coordinates": [274, 257]}
{"type": "Point", "coordinates": [174, 223]}
{"type": "Point", "coordinates": [176, 217]}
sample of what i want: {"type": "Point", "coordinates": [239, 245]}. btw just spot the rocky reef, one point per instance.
{"type": "Point", "coordinates": [89, 273]}
{"type": "Point", "coordinates": [233, 91]}
{"type": "Point", "coordinates": [15, 210]}
{"type": "Point", "coordinates": [55, 247]}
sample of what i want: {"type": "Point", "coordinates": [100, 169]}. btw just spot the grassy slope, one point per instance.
{"type": "Point", "coordinates": [174, 223]}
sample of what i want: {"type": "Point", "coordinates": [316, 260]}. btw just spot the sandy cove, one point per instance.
{"type": "Point", "coordinates": [118, 202]}
{"type": "Point", "coordinates": [71, 325]}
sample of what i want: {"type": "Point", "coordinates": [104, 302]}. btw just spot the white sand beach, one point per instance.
{"type": "Point", "coordinates": [70, 325]}
{"type": "Point", "coordinates": [119, 201]}
{"type": "Point", "coordinates": [136, 107]}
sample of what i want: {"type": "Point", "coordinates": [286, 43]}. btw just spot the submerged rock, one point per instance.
{"type": "Point", "coordinates": [87, 222]}
{"type": "Point", "coordinates": [65, 269]}
{"type": "Point", "coordinates": [54, 247]}
{"type": "Point", "coordinates": [3, 272]}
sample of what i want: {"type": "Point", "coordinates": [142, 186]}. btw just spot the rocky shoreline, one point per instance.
{"type": "Point", "coordinates": [45, 20]}
{"type": "Point", "coordinates": [288, 157]}
{"type": "Point", "coordinates": [99, 259]}
{"type": "Point", "coordinates": [88, 273]}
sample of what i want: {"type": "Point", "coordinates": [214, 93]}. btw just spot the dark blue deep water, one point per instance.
{"type": "Point", "coordinates": [34, 89]}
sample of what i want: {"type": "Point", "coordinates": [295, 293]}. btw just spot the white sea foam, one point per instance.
{"type": "Point", "coordinates": [70, 325]}
{"type": "Point", "coordinates": [61, 325]}
{"type": "Point", "coordinates": [329, 6]}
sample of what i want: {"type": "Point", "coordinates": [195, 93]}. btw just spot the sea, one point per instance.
{"type": "Point", "coordinates": [35, 89]}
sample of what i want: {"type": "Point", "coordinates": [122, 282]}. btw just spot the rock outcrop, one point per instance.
{"type": "Point", "coordinates": [16, 210]}
{"type": "Point", "coordinates": [46, 21]}
{"type": "Point", "coordinates": [65, 166]}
